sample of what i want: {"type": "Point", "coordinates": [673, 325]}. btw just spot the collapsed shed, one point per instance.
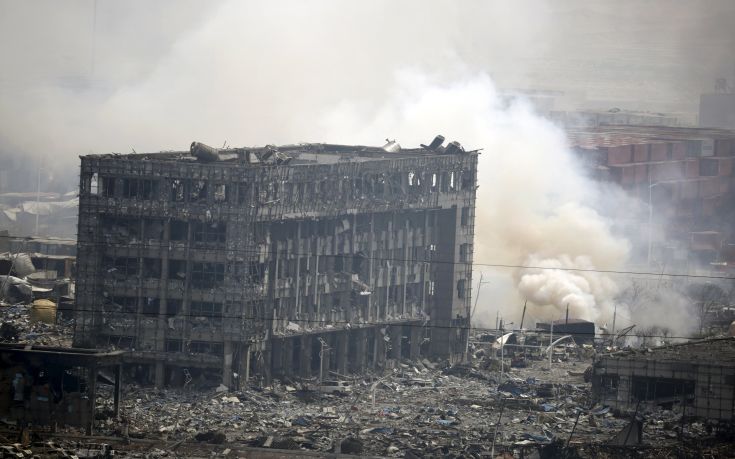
{"type": "Point", "coordinates": [52, 386]}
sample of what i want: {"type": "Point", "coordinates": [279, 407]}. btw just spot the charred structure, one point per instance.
{"type": "Point", "coordinates": [286, 261]}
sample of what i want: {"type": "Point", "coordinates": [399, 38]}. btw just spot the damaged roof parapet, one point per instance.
{"type": "Point", "coordinates": [302, 153]}
{"type": "Point", "coordinates": [267, 155]}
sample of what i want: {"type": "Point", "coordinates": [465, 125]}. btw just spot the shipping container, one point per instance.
{"type": "Point", "coordinates": [640, 153]}
{"type": "Point", "coordinates": [619, 155]}
{"type": "Point", "coordinates": [723, 148]}
{"type": "Point", "coordinates": [659, 152]}
{"type": "Point", "coordinates": [692, 168]}
{"type": "Point", "coordinates": [679, 150]}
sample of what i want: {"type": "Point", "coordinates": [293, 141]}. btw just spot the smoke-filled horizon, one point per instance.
{"type": "Point", "coordinates": [96, 76]}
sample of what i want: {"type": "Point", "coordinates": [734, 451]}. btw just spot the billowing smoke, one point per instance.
{"type": "Point", "coordinates": [99, 79]}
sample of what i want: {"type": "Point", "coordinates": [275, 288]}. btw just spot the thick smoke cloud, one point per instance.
{"type": "Point", "coordinates": [93, 76]}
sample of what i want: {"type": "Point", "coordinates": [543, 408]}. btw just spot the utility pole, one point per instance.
{"type": "Point", "coordinates": [551, 340]}
{"type": "Point", "coordinates": [502, 353]}
{"type": "Point", "coordinates": [523, 316]}
{"type": "Point", "coordinates": [469, 319]}
{"type": "Point", "coordinates": [38, 197]}
{"type": "Point", "coordinates": [321, 358]}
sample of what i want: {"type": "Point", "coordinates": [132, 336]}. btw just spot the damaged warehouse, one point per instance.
{"type": "Point", "coordinates": [300, 260]}
{"type": "Point", "coordinates": [697, 376]}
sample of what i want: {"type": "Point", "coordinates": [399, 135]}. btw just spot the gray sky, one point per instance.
{"type": "Point", "coordinates": [85, 76]}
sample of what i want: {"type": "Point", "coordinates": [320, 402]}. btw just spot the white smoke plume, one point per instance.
{"type": "Point", "coordinates": [158, 75]}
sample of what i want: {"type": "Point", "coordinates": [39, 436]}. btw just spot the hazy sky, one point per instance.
{"type": "Point", "coordinates": [98, 75]}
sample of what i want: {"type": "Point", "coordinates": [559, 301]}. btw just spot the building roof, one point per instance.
{"type": "Point", "coordinates": [621, 135]}
{"type": "Point", "coordinates": [305, 153]}
{"type": "Point", "coordinates": [719, 351]}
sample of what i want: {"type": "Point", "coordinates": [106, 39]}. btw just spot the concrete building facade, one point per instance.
{"type": "Point", "coordinates": [699, 377]}
{"type": "Point", "coordinates": [275, 261]}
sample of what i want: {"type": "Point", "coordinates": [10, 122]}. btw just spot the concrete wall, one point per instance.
{"type": "Point", "coordinates": [713, 394]}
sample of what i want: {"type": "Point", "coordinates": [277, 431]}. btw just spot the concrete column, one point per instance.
{"type": "Point", "coordinates": [92, 393]}
{"type": "Point", "coordinates": [227, 364]}
{"type": "Point", "coordinates": [326, 355]}
{"type": "Point", "coordinates": [380, 349]}
{"type": "Point", "coordinates": [360, 360]}
{"type": "Point", "coordinates": [277, 356]}
{"type": "Point", "coordinates": [305, 362]}
{"type": "Point", "coordinates": [342, 351]}
{"type": "Point", "coordinates": [396, 336]}
{"type": "Point", "coordinates": [160, 374]}
{"type": "Point", "coordinates": [245, 367]}
{"type": "Point", "coordinates": [118, 388]}
{"type": "Point", "coordinates": [416, 336]}
{"type": "Point", "coordinates": [287, 350]}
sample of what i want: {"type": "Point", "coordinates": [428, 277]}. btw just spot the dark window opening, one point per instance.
{"type": "Point", "coordinates": [465, 216]}
{"type": "Point", "coordinates": [203, 347]}
{"type": "Point", "coordinates": [130, 188]}
{"type": "Point", "coordinates": [661, 389]}
{"type": "Point", "coordinates": [179, 230]}
{"type": "Point", "coordinates": [205, 309]}
{"type": "Point", "coordinates": [149, 189]}
{"type": "Point", "coordinates": [243, 193]}
{"type": "Point", "coordinates": [108, 187]}
{"type": "Point", "coordinates": [178, 190]}
{"type": "Point", "coordinates": [152, 268]}
{"type": "Point", "coordinates": [121, 267]}
{"type": "Point", "coordinates": [173, 307]}
{"type": "Point", "coordinates": [153, 230]}
{"type": "Point", "coordinates": [198, 191]}
{"type": "Point", "coordinates": [467, 180]}
{"type": "Point", "coordinates": [126, 304]}
{"type": "Point", "coordinates": [173, 345]}
{"type": "Point", "coordinates": [122, 342]}
{"type": "Point", "coordinates": [210, 233]}
{"type": "Point", "coordinates": [207, 275]}
{"type": "Point", "coordinates": [121, 230]}
{"type": "Point", "coordinates": [464, 252]}
{"type": "Point", "coordinates": [151, 306]}
{"type": "Point", "coordinates": [177, 270]}
{"type": "Point", "coordinates": [461, 288]}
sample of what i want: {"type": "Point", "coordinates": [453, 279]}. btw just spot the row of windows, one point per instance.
{"type": "Point", "coordinates": [130, 230]}
{"type": "Point", "coordinates": [151, 306]}
{"type": "Point", "coordinates": [204, 275]}
{"type": "Point", "coordinates": [174, 345]}
{"type": "Point", "coordinates": [202, 191]}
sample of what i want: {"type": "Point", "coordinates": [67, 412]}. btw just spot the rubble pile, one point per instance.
{"type": "Point", "coordinates": [18, 325]}
{"type": "Point", "coordinates": [416, 410]}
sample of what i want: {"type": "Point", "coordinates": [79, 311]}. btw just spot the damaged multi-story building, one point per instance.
{"type": "Point", "coordinates": [297, 260]}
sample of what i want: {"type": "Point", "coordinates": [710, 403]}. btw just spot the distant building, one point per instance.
{"type": "Point", "coordinates": [684, 174]}
{"type": "Point", "coordinates": [275, 261]}
{"type": "Point", "coordinates": [582, 331]}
